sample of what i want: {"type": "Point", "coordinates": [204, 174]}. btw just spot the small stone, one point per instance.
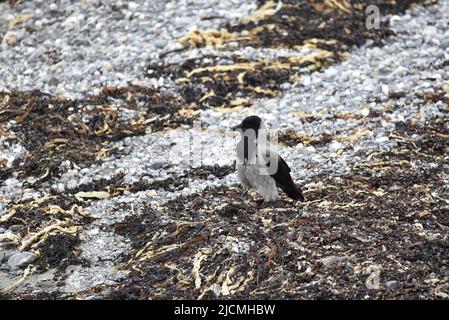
{"type": "Point", "coordinates": [28, 194]}
{"type": "Point", "coordinates": [61, 187]}
{"type": "Point", "coordinates": [429, 31]}
{"type": "Point", "coordinates": [306, 81]}
{"type": "Point", "coordinates": [365, 112]}
{"type": "Point", "coordinates": [10, 38]}
{"type": "Point", "coordinates": [2, 229]}
{"type": "Point", "coordinates": [444, 44]}
{"type": "Point", "coordinates": [157, 165]}
{"type": "Point", "coordinates": [72, 184]}
{"type": "Point", "coordinates": [331, 72]}
{"type": "Point", "coordinates": [133, 6]}
{"type": "Point", "coordinates": [216, 289]}
{"type": "Point", "coordinates": [332, 260]}
{"type": "Point", "coordinates": [9, 253]}
{"type": "Point", "coordinates": [382, 139]}
{"type": "Point", "coordinates": [395, 188]}
{"type": "Point", "coordinates": [85, 180]}
{"type": "Point", "coordinates": [53, 81]}
{"type": "Point", "coordinates": [15, 227]}
{"type": "Point", "coordinates": [285, 86]}
{"type": "Point", "coordinates": [392, 284]}
{"type": "Point", "coordinates": [335, 146]}
{"type": "Point", "coordinates": [21, 259]}
{"type": "Point", "coordinates": [210, 177]}
{"type": "Point", "coordinates": [160, 43]}
{"type": "Point", "coordinates": [107, 66]}
{"type": "Point", "coordinates": [310, 149]}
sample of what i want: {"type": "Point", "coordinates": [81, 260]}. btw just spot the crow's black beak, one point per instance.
{"type": "Point", "coordinates": [237, 127]}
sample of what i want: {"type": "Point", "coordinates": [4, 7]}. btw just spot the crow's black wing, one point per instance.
{"type": "Point", "coordinates": [284, 164]}
{"type": "Point", "coordinates": [284, 180]}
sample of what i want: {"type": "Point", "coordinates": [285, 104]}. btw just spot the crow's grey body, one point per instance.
{"type": "Point", "coordinates": [250, 174]}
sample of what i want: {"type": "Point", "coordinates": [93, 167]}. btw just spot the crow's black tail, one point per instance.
{"type": "Point", "coordinates": [293, 192]}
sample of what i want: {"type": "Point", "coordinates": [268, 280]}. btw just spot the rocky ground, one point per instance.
{"type": "Point", "coordinates": [117, 172]}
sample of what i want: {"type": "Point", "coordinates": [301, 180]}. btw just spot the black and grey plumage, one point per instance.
{"type": "Point", "coordinates": [255, 156]}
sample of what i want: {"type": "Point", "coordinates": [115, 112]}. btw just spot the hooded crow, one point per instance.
{"type": "Point", "coordinates": [259, 166]}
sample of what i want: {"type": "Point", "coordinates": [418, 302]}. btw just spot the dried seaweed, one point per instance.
{"type": "Point", "coordinates": [327, 28]}
{"type": "Point", "coordinates": [216, 82]}
{"type": "Point", "coordinates": [55, 129]}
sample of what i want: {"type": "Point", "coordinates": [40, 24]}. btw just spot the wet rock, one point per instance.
{"type": "Point", "coordinates": [9, 253]}
{"type": "Point", "coordinates": [15, 227]}
{"type": "Point", "coordinates": [21, 259]}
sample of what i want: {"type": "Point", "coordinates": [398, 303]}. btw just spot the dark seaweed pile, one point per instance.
{"type": "Point", "coordinates": [298, 21]}
{"type": "Point", "coordinates": [55, 129]}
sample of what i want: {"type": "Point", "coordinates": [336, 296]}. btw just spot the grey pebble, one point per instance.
{"type": "Point", "coordinates": [444, 44]}
{"type": "Point", "coordinates": [160, 43]}
{"type": "Point", "coordinates": [157, 165]}
{"type": "Point", "coordinates": [392, 284]}
{"type": "Point", "coordinates": [15, 227]}
{"type": "Point", "coordinates": [9, 253]}
{"type": "Point", "coordinates": [21, 259]}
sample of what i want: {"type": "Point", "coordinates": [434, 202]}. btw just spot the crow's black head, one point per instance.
{"type": "Point", "coordinates": [251, 122]}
